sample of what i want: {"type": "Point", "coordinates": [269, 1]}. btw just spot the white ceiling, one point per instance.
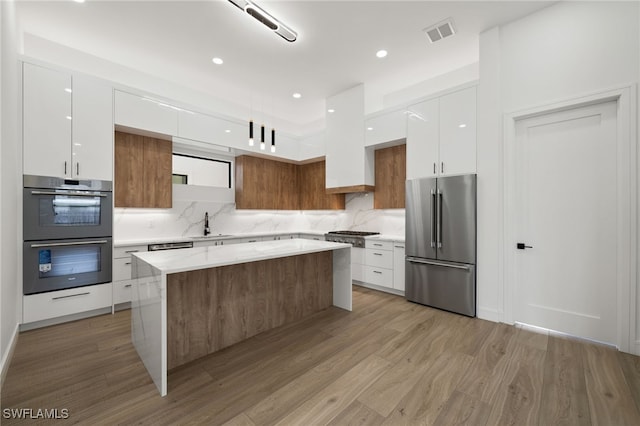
{"type": "Point", "coordinates": [335, 50]}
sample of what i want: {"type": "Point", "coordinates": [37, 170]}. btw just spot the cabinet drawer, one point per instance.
{"type": "Point", "coordinates": [357, 256]}
{"type": "Point", "coordinates": [379, 245]}
{"type": "Point", "coordinates": [122, 269]}
{"type": "Point", "coordinates": [121, 292]}
{"type": "Point", "coordinates": [54, 304]}
{"type": "Point", "coordinates": [125, 252]}
{"type": "Point", "coordinates": [378, 276]}
{"type": "Point", "coordinates": [379, 258]}
{"type": "Point", "coordinates": [250, 240]}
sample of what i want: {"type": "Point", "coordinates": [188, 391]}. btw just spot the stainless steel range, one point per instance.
{"type": "Point", "coordinates": [355, 238]}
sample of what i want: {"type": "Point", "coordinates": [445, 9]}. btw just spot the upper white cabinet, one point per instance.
{"type": "Point", "coordinates": [386, 127]}
{"type": "Point", "coordinates": [349, 167]}
{"type": "Point", "coordinates": [422, 139]}
{"type": "Point", "coordinates": [441, 135]}
{"type": "Point", "coordinates": [68, 126]}
{"type": "Point", "coordinates": [458, 132]}
{"type": "Point", "coordinates": [46, 98]}
{"type": "Point", "coordinates": [92, 134]}
{"type": "Point", "coordinates": [144, 113]}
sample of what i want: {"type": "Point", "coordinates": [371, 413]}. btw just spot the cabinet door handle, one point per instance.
{"type": "Point", "coordinates": [127, 286]}
{"type": "Point", "coordinates": [78, 168]}
{"type": "Point", "coordinates": [127, 263]}
{"type": "Point", "coordinates": [377, 272]}
{"type": "Point", "coordinates": [434, 168]}
{"type": "Point", "coordinates": [71, 295]}
{"type": "Point", "coordinates": [399, 246]}
{"type": "Point", "coordinates": [132, 251]}
{"type": "Point", "coordinates": [377, 245]}
{"type": "Point", "coordinates": [253, 241]}
{"type": "Point", "coordinates": [442, 167]}
{"type": "Point", "coordinates": [65, 168]}
{"type": "Point", "coordinates": [377, 254]}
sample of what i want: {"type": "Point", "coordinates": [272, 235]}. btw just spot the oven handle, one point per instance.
{"type": "Point", "coordinates": [68, 194]}
{"type": "Point", "coordinates": [78, 243]}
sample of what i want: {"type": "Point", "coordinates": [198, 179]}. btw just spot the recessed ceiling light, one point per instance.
{"type": "Point", "coordinates": [68, 89]}
{"type": "Point", "coordinates": [462, 126]}
{"type": "Point", "coordinates": [297, 95]}
{"type": "Point", "coordinates": [79, 1]}
{"type": "Point", "coordinates": [217, 61]}
{"type": "Point", "coordinates": [381, 53]}
{"type": "Point", "coordinates": [330, 110]}
{"type": "Point", "coordinates": [227, 131]}
{"type": "Point", "coordinates": [369, 128]}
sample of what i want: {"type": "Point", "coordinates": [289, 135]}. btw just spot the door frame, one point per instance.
{"type": "Point", "coordinates": [625, 98]}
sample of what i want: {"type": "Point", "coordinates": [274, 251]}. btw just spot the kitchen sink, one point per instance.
{"type": "Point", "coordinates": [208, 237]}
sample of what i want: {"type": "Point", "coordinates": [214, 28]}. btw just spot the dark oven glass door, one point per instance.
{"type": "Point", "coordinates": [61, 264]}
{"type": "Point", "coordinates": [57, 214]}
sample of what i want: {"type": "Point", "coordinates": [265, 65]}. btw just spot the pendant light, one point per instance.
{"type": "Point", "coordinates": [262, 137]}
{"type": "Point", "coordinates": [250, 132]}
{"type": "Point", "coordinates": [273, 140]}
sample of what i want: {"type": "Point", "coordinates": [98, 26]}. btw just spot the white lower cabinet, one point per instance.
{"type": "Point", "coordinates": [398, 266]}
{"type": "Point", "coordinates": [39, 307]}
{"type": "Point", "coordinates": [357, 263]}
{"type": "Point", "coordinates": [122, 272]}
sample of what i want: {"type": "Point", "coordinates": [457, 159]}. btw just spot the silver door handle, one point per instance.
{"type": "Point", "coordinates": [442, 167]}
{"type": "Point", "coordinates": [127, 263]}
{"type": "Point", "coordinates": [377, 272]}
{"type": "Point", "coordinates": [433, 216]}
{"type": "Point", "coordinates": [71, 295]}
{"type": "Point", "coordinates": [429, 262]}
{"type": "Point", "coordinates": [127, 286]}
{"type": "Point", "coordinates": [439, 224]}
{"type": "Point", "coordinates": [434, 168]}
{"type": "Point", "coordinates": [67, 194]}
{"type": "Point", "coordinates": [78, 243]}
{"type": "Point", "coordinates": [399, 246]}
{"type": "Point", "coordinates": [132, 251]}
{"type": "Point", "coordinates": [377, 254]}
{"type": "Point", "coordinates": [65, 168]}
{"type": "Point", "coordinates": [78, 168]}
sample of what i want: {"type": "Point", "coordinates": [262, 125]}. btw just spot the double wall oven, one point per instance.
{"type": "Point", "coordinates": [67, 229]}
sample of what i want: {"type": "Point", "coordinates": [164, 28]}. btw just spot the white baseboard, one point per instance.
{"type": "Point", "coordinates": [489, 314]}
{"type": "Point", "coordinates": [8, 355]}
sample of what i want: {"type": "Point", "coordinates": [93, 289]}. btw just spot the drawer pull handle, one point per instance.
{"type": "Point", "coordinates": [253, 241]}
{"type": "Point", "coordinates": [127, 263]}
{"type": "Point", "coordinates": [377, 272]}
{"type": "Point", "coordinates": [377, 245]}
{"type": "Point", "coordinates": [377, 254]}
{"type": "Point", "coordinates": [132, 251]}
{"type": "Point", "coordinates": [399, 246]}
{"type": "Point", "coordinates": [127, 286]}
{"type": "Point", "coordinates": [71, 295]}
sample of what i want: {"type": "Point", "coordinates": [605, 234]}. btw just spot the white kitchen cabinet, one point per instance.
{"type": "Point", "coordinates": [349, 166]}
{"type": "Point", "coordinates": [285, 237]}
{"type": "Point", "coordinates": [122, 272]}
{"type": "Point", "coordinates": [46, 97]}
{"type": "Point", "coordinates": [145, 113]}
{"type": "Point", "coordinates": [249, 240]}
{"type": "Point", "coordinates": [398, 266]}
{"type": "Point", "coordinates": [358, 264]}
{"type": "Point", "coordinates": [441, 135]}
{"type": "Point", "coordinates": [68, 125]}
{"type": "Point", "coordinates": [43, 306]}
{"type": "Point", "coordinates": [385, 127]}
{"type": "Point", "coordinates": [92, 134]}
{"type": "Point", "coordinates": [458, 132]}
{"type": "Point", "coordinates": [312, 237]}
{"type": "Point", "coordinates": [423, 123]}
{"type": "Point", "coordinates": [379, 262]}
{"type": "Point", "coordinates": [212, 130]}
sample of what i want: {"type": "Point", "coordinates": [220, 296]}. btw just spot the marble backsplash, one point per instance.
{"type": "Point", "coordinates": [186, 219]}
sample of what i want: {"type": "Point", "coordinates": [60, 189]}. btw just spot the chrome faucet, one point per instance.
{"type": "Point", "coordinates": [207, 231]}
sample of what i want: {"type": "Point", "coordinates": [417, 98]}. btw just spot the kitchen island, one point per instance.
{"type": "Point", "coordinates": [189, 303]}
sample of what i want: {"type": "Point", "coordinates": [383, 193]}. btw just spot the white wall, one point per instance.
{"type": "Point", "coordinates": [562, 52]}
{"type": "Point", "coordinates": [10, 170]}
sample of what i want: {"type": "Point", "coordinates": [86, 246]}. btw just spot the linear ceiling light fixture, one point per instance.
{"type": "Point", "coordinates": [269, 21]}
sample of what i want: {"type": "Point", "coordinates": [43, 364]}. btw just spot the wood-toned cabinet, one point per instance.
{"type": "Point", "coordinates": [275, 185]}
{"type": "Point", "coordinates": [142, 171]}
{"type": "Point", "coordinates": [312, 191]}
{"type": "Point", "coordinates": [391, 174]}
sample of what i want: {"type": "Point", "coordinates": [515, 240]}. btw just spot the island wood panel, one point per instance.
{"type": "Point", "coordinates": [129, 170]}
{"type": "Point", "coordinates": [214, 308]}
{"type": "Point", "coordinates": [313, 195]}
{"type": "Point", "coordinates": [143, 167]}
{"type": "Point", "coordinates": [391, 174]}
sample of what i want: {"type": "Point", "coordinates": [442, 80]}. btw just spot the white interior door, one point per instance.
{"type": "Point", "coordinates": [566, 206]}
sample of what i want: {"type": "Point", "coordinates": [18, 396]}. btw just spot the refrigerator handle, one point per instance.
{"type": "Point", "coordinates": [439, 218]}
{"type": "Point", "coordinates": [433, 217]}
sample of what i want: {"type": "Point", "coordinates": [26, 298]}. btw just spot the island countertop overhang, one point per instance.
{"type": "Point", "coordinates": [174, 261]}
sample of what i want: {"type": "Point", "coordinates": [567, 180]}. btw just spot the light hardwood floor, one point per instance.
{"type": "Point", "coordinates": [389, 362]}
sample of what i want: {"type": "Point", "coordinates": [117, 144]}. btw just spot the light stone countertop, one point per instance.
{"type": "Point", "coordinates": [173, 261]}
{"type": "Point", "coordinates": [145, 241]}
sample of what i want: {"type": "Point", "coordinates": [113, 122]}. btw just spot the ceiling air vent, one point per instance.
{"type": "Point", "coordinates": [439, 31]}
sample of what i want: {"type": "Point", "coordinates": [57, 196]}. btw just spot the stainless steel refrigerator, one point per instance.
{"type": "Point", "coordinates": [441, 243]}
